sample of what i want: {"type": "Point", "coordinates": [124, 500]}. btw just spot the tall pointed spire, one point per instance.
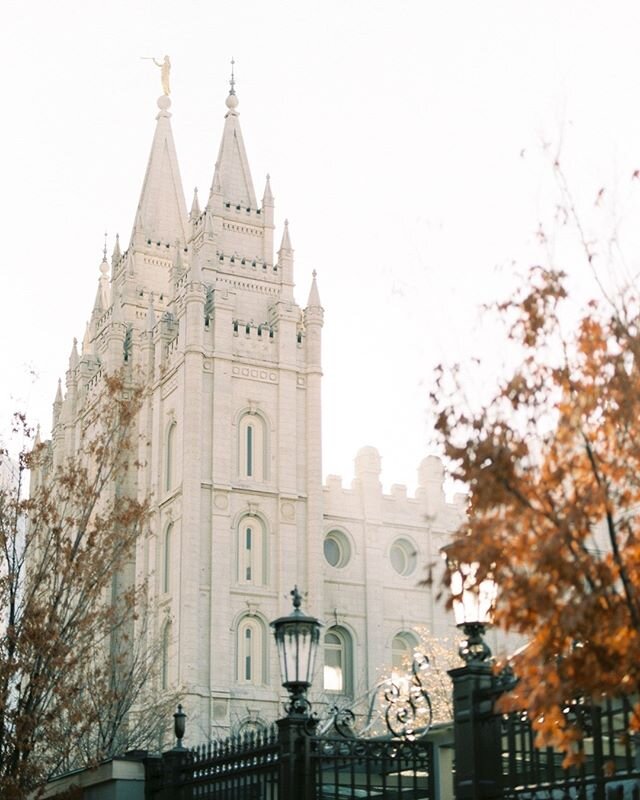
{"type": "Point", "coordinates": [116, 255]}
{"type": "Point", "coordinates": [285, 244]}
{"type": "Point", "coordinates": [162, 213]}
{"type": "Point", "coordinates": [314, 294]}
{"type": "Point", "coordinates": [73, 356]}
{"type": "Point", "coordinates": [232, 166]}
{"type": "Point", "coordinates": [267, 197]}
{"type": "Point", "coordinates": [195, 206]}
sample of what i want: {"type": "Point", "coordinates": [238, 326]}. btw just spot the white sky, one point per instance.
{"type": "Point", "coordinates": [404, 145]}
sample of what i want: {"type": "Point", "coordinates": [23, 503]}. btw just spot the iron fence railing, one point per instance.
{"type": "Point", "coordinates": [332, 768]}
{"type": "Point", "coordinates": [359, 768]}
{"type": "Point", "coordinates": [609, 764]}
{"type": "Point", "coordinates": [238, 768]}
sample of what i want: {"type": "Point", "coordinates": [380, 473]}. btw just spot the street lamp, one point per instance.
{"type": "Point", "coordinates": [297, 638]}
{"type": "Point", "coordinates": [476, 726]}
{"type": "Point", "coordinates": [473, 603]}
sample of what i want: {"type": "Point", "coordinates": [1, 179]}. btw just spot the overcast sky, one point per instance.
{"type": "Point", "coordinates": [409, 144]}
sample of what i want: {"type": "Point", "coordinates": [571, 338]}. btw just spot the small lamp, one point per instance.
{"type": "Point", "coordinates": [473, 603]}
{"type": "Point", "coordinates": [297, 638]}
{"type": "Point", "coordinates": [179, 727]}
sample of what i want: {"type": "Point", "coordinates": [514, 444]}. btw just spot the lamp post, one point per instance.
{"type": "Point", "coordinates": [297, 636]}
{"type": "Point", "coordinates": [476, 727]}
{"type": "Point", "coordinates": [473, 603]}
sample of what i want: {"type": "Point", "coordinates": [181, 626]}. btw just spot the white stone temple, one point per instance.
{"type": "Point", "coordinates": [204, 307]}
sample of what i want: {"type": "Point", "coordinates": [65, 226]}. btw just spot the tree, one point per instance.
{"type": "Point", "coordinates": [552, 463]}
{"type": "Point", "coordinates": [441, 656]}
{"type": "Point", "coordinates": [67, 606]}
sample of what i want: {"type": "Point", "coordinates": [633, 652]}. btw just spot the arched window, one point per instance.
{"type": "Point", "coordinates": [252, 552]}
{"type": "Point", "coordinates": [164, 665]}
{"type": "Point", "coordinates": [338, 661]}
{"type": "Point", "coordinates": [252, 448]}
{"type": "Point", "coordinates": [166, 566]}
{"type": "Point", "coordinates": [170, 457]}
{"type": "Point", "coordinates": [251, 656]}
{"type": "Point", "coordinates": [402, 648]}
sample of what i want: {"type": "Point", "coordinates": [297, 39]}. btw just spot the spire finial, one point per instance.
{"type": "Point", "coordinates": [232, 100]}
{"type": "Point", "coordinates": [104, 265]}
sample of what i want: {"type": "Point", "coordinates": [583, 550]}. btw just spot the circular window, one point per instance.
{"type": "Point", "coordinates": [403, 557]}
{"type": "Point", "coordinates": [337, 550]}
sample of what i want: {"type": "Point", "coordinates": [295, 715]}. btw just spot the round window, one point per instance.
{"type": "Point", "coordinates": [403, 557]}
{"type": "Point", "coordinates": [337, 550]}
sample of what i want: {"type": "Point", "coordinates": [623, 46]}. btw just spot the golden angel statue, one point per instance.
{"type": "Point", "coordinates": [165, 69]}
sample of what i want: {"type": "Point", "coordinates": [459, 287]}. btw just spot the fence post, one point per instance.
{"type": "Point", "coordinates": [477, 734]}
{"type": "Point", "coordinates": [295, 779]}
{"type": "Point", "coordinates": [163, 774]}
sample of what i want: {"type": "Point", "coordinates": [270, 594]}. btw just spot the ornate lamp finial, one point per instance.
{"type": "Point", "coordinates": [297, 598]}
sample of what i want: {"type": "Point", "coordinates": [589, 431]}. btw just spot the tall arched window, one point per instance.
{"type": "Point", "coordinates": [252, 447]}
{"type": "Point", "coordinates": [402, 648]}
{"type": "Point", "coordinates": [338, 661]}
{"type": "Point", "coordinates": [166, 566]}
{"type": "Point", "coordinates": [252, 552]}
{"type": "Point", "coordinates": [251, 656]}
{"type": "Point", "coordinates": [170, 457]}
{"type": "Point", "coordinates": [164, 665]}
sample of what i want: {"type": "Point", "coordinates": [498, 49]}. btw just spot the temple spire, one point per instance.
{"type": "Point", "coordinates": [267, 197]}
{"type": "Point", "coordinates": [73, 356]}
{"type": "Point", "coordinates": [195, 206]}
{"type": "Point", "coordinates": [285, 244]}
{"type": "Point", "coordinates": [101, 303]}
{"type": "Point", "coordinates": [314, 294]}
{"type": "Point", "coordinates": [232, 173]}
{"type": "Point", "coordinates": [116, 255]}
{"type": "Point", "coordinates": [161, 215]}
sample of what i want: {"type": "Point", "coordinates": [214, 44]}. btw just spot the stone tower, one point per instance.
{"type": "Point", "coordinates": [231, 447]}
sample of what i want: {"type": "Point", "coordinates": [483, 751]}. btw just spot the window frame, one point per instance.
{"type": "Point", "coordinates": [170, 456]}
{"type": "Point", "coordinates": [253, 657]}
{"type": "Point", "coordinates": [253, 447]}
{"type": "Point", "coordinates": [345, 647]}
{"type": "Point", "coordinates": [409, 554]}
{"type": "Point", "coordinates": [345, 548]}
{"type": "Point", "coordinates": [252, 551]}
{"type": "Point", "coordinates": [166, 559]}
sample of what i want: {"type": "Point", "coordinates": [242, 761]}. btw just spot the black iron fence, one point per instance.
{"type": "Point", "coordinates": [368, 768]}
{"type": "Point", "coordinates": [276, 766]}
{"type": "Point", "coordinates": [609, 757]}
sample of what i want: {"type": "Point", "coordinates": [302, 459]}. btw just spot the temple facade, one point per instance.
{"type": "Point", "coordinates": [202, 304]}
